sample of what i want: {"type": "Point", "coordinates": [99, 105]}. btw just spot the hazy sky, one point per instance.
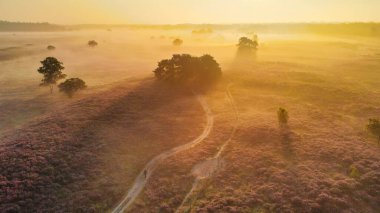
{"type": "Point", "coordinates": [188, 11]}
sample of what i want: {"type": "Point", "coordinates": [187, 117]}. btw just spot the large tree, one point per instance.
{"type": "Point", "coordinates": [51, 70]}
{"type": "Point", "coordinates": [71, 86]}
{"type": "Point", "coordinates": [188, 70]}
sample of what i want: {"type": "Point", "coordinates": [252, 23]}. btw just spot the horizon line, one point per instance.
{"type": "Point", "coordinates": [178, 24]}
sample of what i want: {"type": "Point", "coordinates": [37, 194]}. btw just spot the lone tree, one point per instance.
{"type": "Point", "coordinates": [71, 86]}
{"type": "Point", "coordinates": [52, 72]}
{"type": "Point", "coordinates": [92, 43]}
{"type": "Point", "coordinates": [177, 42]}
{"type": "Point", "coordinates": [50, 47]}
{"type": "Point", "coordinates": [188, 70]}
{"type": "Point", "coordinates": [374, 128]}
{"type": "Point", "coordinates": [283, 116]}
{"type": "Point", "coordinates": [247, 46]}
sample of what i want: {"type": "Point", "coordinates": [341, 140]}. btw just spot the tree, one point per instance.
{"type": "Point", "coordinates": [188, 70]}
{"type": "Point", "coordinates": [246, 45]}
{"type": "Point", "coordinates": [374, 128]}
{"type": "Point", "coordinates": [283, 116]}
{"type": "Point", "coordinates": [52, 72]}
{"type": "Point", "coordinates": [177, 42]}
{"type": "Point", "coordinates": [71, 86]}
{"type": "Point", "coordinates": [50, 47]}
{"type": "Point", "coordinates": [92, 43]}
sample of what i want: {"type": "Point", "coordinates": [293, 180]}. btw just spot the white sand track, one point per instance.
{"type": "Point", "coordinates": [141, 180]}
{"type": "Point", "coordinates": [206, 169]}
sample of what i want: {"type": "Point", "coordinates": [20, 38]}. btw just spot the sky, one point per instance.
{"type": "Point", "coordinates": [188, 11]}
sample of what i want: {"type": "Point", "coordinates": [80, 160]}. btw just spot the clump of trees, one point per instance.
{"type": "Point", "coordinates": [177, 42]}
{"type": "Point", "coordinates": [189, 70]}
{"type": "Point", "coordinates": [51, 70]}
{"type": "Point", "coordinates": [51, 47]}
{"type": "Point", "coordinates": [92, 43]}
{"type": "Point", "coordinates": [71, 86]}
{"type": "Point", "coordinates": [283, 116]}
{"type": "Point", "coordinates": [247, 46]}
{"type": "Point", "coordinates": [374, 128]}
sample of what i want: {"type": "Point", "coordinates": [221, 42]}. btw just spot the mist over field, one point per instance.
{"type": "Point", "coordinates": [189, 117]}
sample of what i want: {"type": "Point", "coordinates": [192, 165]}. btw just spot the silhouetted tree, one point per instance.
{"type": "Point", "coordinates": [374, 128]}
{"type": "Point", "coordinates": [92, 43]}
{"type": "Point", "coordinates": [177, 42]}
{"type": "Point", "coordinates": [52, 72]}
{"type": "Point", "coordinates": [283, 116]}
{"type": "Point", "coordinates": [50, 47]}
{"type": "Point", "coordinates": [247, 46]}
{"type": "Point", "coordinates": [186, 69]}
{"type": "Point", "coordinates": [71, 86]}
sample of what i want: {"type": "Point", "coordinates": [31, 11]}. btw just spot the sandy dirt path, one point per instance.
{"type": "Point", "coordinates": [206, 169]}
{"type": "Point", "coordinates": [141, 180]}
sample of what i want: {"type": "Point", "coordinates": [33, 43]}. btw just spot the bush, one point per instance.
{"type": "Point", "coordinates": [71, 86]}
{"type": "Point", "coordinates": [51, 47]}
{"type": "Point", "coordinates": [188, 70]}
{"type": "Point", "coordinates": [374, 128]}
{"type": "Point", "coordinates": [92, 43]}
{"type": "Point", "coordinates": [354, 172]}
{"type": "Point", "coordinates": [177, 42]}
{"type": "Point", "coordinates": [283, 116]}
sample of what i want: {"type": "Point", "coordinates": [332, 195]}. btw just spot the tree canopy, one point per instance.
{"type": "Point", "coordinates": [247, 45]}
{"type": "Point", "coordinates": [51, 70]}
{"type": "Point", "coordinates": [188, 70]}
{"type": "Point", "coordinates": [71, 86]}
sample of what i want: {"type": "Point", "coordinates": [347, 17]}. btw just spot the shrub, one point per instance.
{"type": "Point", "coordinates": [51, 47]}
{"type": "Point", "coordinates": [92, 43]}
{"type": "Point", "coordinates": [283, 116]}
{"type": "Point", "coordinates": [354, 172]}
{"type": "Point", "coordinates": [374, 128]}
{"type": "Point", "coordinates": [71, 86]}
{"type": "Point", "coordinates": [188, 70]}
{"type": "Point", "coordinates": [177, 42]}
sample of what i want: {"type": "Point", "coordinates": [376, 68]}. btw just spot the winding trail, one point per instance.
{"type": "Point", "coordinates": [141, 180]}
{"type": "Point", "coordinates": [206, 169]}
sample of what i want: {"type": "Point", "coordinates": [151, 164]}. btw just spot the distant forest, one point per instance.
{"type": "Point", "coordinates": [348, 29]}
{"type": "Point", "coordinates": [6, 26]}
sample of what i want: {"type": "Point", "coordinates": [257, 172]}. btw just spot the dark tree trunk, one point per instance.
{"type": "Point", "coordinates": [51, 89]}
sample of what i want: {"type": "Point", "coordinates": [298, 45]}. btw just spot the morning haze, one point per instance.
{"type": "Point", "coordinates": [247, 106]}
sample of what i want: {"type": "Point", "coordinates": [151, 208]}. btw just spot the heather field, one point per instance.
{"type": "Point", "coordinates": [85, 153]}
{"type": "Point", "coordinates": [323, 161]}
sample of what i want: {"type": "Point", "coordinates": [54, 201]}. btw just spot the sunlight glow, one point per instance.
{"type": "Point", "coordinates": [186, 11]}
